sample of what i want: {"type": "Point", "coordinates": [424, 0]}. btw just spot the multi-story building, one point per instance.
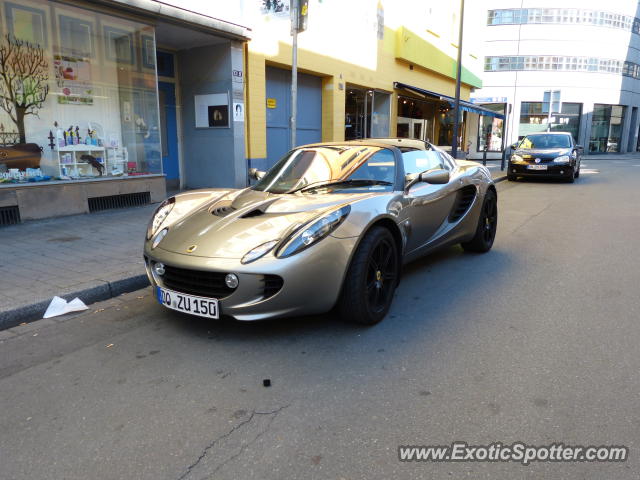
{"type": "Point", "coordinates": [587, 53]}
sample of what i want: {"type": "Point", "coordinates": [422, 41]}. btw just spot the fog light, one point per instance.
{"type": "Point", "coordinates": [159, 269]}
{"type": "Point", "coordinates": [231, 280]}
{"type": "Point", "coordinates": [561, 172]}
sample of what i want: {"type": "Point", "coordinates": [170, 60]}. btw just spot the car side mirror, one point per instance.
{"type": "Point", "coordinates": [256, 174]}
{"type": "Point", "coordinates": [434, 177]}
{"type": "Point", "coordinates": [580, 148]}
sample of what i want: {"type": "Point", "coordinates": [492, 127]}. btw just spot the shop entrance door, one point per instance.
{"type": "Point", "coordinates": [169, 134]}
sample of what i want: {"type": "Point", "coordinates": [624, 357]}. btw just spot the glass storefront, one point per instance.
{"type": "Point", "coordinates": [490, 129]}
{"type": "Point", "coordinates": [416, 118]}
{"type": "Point", "coordinates": [533, 119]}
{"type": "Point", "coordinates": [84, 96]}
{"type": "Point", "coordinates": [606, 128]}
{"type": "Point", "coordinates": [367, 113]}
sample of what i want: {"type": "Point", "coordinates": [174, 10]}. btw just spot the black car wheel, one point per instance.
{"type": "Point", "coordinates": [577, 174]}
{"type": "Point", "coordinates": [371, 279]}
{"type": "Point", "coordinates": [511, 178]}
{"type": "Point", "coordinates": [487, 225]}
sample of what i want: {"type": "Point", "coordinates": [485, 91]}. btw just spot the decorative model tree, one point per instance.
{"type": "Point", "coordinates": [23, 80]}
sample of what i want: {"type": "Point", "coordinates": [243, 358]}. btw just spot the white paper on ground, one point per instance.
{"type": "Point", "coordinates": [59, 306]}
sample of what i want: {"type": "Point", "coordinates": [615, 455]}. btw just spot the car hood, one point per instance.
{"type": "Point", "coordinates": [240, 220]}
{"type": "Point", "coordinates": [542, 152]}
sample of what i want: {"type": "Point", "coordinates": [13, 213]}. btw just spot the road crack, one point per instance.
{"type": "Point", "coordinates": [213, 443]}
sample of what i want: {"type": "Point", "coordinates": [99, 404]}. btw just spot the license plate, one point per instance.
{"type": "Point", "coordinates": [201, 306]}
{"type": "Point", "coordinates": [537, 167]}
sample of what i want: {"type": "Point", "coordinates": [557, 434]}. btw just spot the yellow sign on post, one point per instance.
{"type": "Point", "coordinates": [271, 103]}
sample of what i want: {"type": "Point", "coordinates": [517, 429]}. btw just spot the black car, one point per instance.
{"type": "Point", "coordinates": [550, 154]}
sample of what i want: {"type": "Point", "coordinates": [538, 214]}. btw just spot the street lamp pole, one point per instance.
{"type": "Point", "coordinates": [456, 108]}
{"type": "Point", "coordinates": [294, 71]}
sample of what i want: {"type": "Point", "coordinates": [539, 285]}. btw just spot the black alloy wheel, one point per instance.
{"type": "Point", "coordinates": [487, 225]}
{"type": "Point", "coordinates": [371, 280]}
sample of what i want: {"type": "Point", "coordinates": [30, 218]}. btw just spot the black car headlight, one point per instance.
{"type": "Point", "coordinates": [159, 216]}
{"type": "Point", "coordinates": [313, 232]}
{"type": "Point", "coordinates": [516, 158]}
{"type": "Point", "coordinates": [562, 159]}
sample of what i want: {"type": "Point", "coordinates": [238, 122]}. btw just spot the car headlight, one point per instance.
{"type": "Point", "coordinates": [159, 216]}
{"type": "Point", "coordinates": [258, 252]}
{"type": "Point", "coordinates": [313, 232]}
{"type": "Point", "coordinates": [161, 234]}
{"type": "Point", "coordinates": [516, 158]}
{"type": "Point", "coordinates": [562, 159]}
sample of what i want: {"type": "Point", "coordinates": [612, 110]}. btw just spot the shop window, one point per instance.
{"type": "Point", "coordinates": [533, 119]}
{"type": "Point", "coordinates": [490, 130]}
{"type": "Point", "coordinates": [90, 111]}
{"type": "Point", "coordinates": [606, 128]}
{"type": "Point", "coordinates": [367, 113]}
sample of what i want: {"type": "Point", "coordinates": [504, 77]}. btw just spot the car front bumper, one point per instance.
{"type": "Point", "coordinates": [311, 279]}
{"type": "Point", "coordinates": [560, 170]}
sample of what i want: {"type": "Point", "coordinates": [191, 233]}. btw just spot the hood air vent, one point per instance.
{"type": "Point", "coordinates": [222, 210]}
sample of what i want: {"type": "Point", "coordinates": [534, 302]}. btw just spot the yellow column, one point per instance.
{"type": "Point", "coordinates": [333, 98]}
{"type": "Point", "coordinates": [256, 134]}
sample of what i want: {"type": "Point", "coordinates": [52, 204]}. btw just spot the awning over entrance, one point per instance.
{"type": "Point", "coordinates": [464, 105]}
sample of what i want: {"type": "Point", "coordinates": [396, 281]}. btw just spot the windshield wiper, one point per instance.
{"type": "Point", "coordinates": [354, 181]}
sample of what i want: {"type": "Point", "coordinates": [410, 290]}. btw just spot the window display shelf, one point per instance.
{"type": "Point", "coordinates": [111, 158]}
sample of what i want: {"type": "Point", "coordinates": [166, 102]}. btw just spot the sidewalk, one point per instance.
{"type": "Point", "coordinates": [93, 257]}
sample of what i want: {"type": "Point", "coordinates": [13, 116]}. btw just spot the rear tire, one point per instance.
{"type": "Point", "coordinates": [511, 178]}
{"type": "Point", "coordinates": [371, 280]}
{"type": "Point", "coordinates": [487, 225]}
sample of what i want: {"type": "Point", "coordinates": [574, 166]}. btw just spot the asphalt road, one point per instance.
{"type": "Point", "coordinates": [536, 341]}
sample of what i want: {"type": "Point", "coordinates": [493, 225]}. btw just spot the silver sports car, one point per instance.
{"type": "Point", "coordinates": [330, 225]}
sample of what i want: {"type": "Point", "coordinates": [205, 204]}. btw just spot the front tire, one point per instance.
{"type": "Point", "coordinates": [371, 280]}
{"type": "Point", "coordinates": [487, 225]}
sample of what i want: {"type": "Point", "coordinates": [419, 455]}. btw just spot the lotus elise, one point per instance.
{"type": "Point", "coordinates": [328, 226]}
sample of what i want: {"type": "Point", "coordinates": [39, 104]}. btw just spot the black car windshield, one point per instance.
{"type": "Point", "coordinates": [542, 140]}
{"type": "Point", "coordinates": [331, 168]}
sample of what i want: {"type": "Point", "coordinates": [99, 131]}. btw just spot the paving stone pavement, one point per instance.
{"type": "Point", "coordinates": [80, 254]}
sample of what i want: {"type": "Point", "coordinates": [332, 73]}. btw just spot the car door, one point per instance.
{"type": "Point", "coordinates": [428, 206]}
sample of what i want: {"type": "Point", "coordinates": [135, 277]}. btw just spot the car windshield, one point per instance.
{"type": "Point", "coordinates": [331, 168]}
{"type": "Point", "coordinates": [545, 141]}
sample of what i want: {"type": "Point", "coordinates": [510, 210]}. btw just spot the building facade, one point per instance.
{"type": "Point", "coordinates": [367, 68]}
{"type": "Point", "coordinates": [573, 66]}
{"type": "Point", "coordinates": [104, 101]}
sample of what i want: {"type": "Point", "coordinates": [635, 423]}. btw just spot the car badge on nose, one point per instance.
{"type": "Point", "coordinates": [192, 248]}
{"type": "Point", "coordinates": [537, 160]}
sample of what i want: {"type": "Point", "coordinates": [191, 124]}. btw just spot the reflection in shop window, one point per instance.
{"type": "Point", "coordinates": [89, 112]}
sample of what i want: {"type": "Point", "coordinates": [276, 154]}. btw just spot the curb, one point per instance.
{"type": "Point", "coordinates": [500, 179]}
{"type": "Point", "coordinates": [35, 311]}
